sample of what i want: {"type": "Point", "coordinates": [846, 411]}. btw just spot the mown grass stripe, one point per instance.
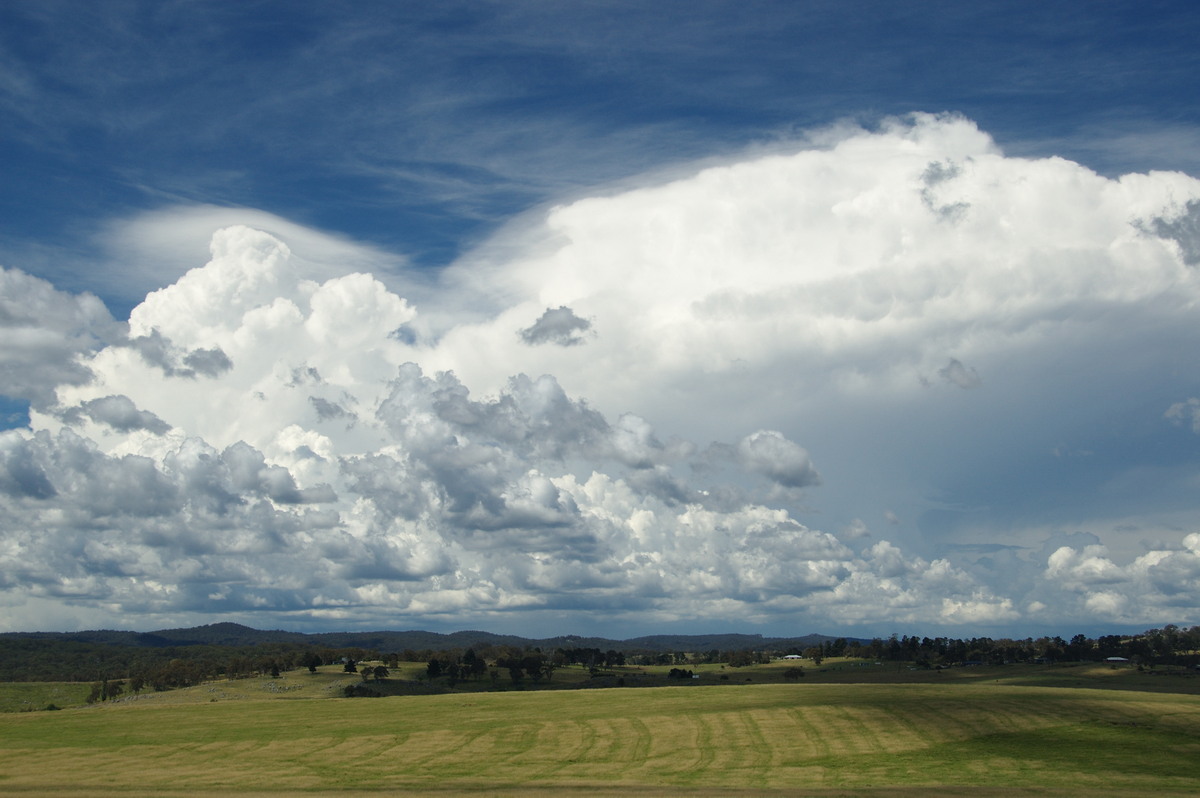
{"type": "Point", "coordinates": [720, 739]}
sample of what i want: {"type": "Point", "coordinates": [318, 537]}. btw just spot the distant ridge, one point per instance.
{"type": "Point", "coordinates": [237, 635]}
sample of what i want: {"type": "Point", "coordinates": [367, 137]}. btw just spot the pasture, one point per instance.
{"type": "Point", "coordinates": [972, 732]}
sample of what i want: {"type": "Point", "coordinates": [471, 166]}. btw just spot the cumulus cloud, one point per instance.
{"type": "Point", "coordinates": [1153, 589]}
{"type": "Point", "coordinates": [120, 413]}
{"type": "Point", "coordinates": [45, 333]}
{"type": "Point", "coordinates": [264, 441]}
{"type": "Point", "coordinates": [1185, 412]}
{"type": "Point", "coordinates": [956, 373]}
{"type": "Point", "coordinates": [769, 453]}
{"type": "Point", "coordinates": [856, 529]}
{"type": "Point", "coordinates": [556, 326]}
{"type": "Point", "coordinates": [152, 250]}
{"type": "Point", "coordinates": [435, 500]}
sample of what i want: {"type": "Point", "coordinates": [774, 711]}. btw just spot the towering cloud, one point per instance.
{"type": "Point", "coordinates": [646, 407]}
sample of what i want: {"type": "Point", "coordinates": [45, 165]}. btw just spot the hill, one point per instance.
{"type": "Point", "coordinates": [236, 635]}
{"type": "Point", "coordinates": [220, 647]}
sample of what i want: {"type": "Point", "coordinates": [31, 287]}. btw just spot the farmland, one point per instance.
{"type": "Point", "coordinates": [846, 729]}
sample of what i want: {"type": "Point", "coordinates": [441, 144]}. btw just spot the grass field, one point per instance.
{"type": "Point", "coordinates": [32, 696]}
{"type": "Point", "coordinates": [970, 731]}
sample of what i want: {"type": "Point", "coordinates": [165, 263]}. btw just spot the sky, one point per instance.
{"type": "Point", "coordinates": [611, 318]}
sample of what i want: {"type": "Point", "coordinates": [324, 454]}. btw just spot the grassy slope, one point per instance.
{"type": "Point", "coordinates": [32, 696]}
{"type": "Point", "coordinates": [408, 679]}
{"type": "Point", "coordinates": [973, 731]}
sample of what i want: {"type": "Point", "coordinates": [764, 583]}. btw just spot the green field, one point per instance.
{"type": "Point", "coordinates": [986, 731]}
{"type": "Point", "coordinates": [30, 696]}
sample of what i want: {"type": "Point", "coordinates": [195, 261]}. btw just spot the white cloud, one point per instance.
{"type": "Point", "coordinates": [1155, 588]}
{"type": "Point", "coordinates": [769, 453]}
{"type": "Point", "coordinates": [154, 249]}
{"type": "Point", "coordinates": [291, 435]}
{"type": "Point", "coordinates": [1188, 411]}
{"type": "Point", "coordinates": [856, 530]}
{"type": "Point", "coordinates": [45, 331]}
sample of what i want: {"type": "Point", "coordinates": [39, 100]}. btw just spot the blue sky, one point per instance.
{"type": "Point", "coordinates": [613, 317]}
{"type": "Point", "coordinates": [422, 126]}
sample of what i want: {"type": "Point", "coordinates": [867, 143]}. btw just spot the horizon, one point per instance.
{"type": "Point", "coordinates": [614, 636]}
{"type": "Point", "coordinates": [529, 315]}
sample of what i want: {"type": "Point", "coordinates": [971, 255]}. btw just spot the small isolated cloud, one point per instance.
{"type": "Point", "coordinates": [856, 530]}
{"type": "Point", "coordinates": [1185, 413]}
{"type": "Point", "coordinates": [769, 453]}
{"type": "Point", "coordinates": [120, 413]}
{"type": "Point", "coordinates": [956, 373]}
{"type": "Point", "coordinates": [556, 326]}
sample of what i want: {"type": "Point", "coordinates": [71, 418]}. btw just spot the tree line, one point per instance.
{"type": "Point", "coordinates": [118, 669]}
{"type": "Point", "coordinates": [1170, 645]}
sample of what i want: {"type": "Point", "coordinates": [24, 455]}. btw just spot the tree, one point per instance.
{"type": "Point", "coordinates": [1079, 648]}
{"type": "Point", "coordinates": [105, 690]}
{"type": "Point", "coordinates": [381, 673]}
{"type": "Point", "coordinates": [360, 691]}
{"type": "Point", "coordinates": [471, 663]}
{"type": "Point", "coordinates": [739, 659]}
{"type": "Point", "coordinates": [533, 664]}
{"type": "Point", "coordinates": [350, 666]}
